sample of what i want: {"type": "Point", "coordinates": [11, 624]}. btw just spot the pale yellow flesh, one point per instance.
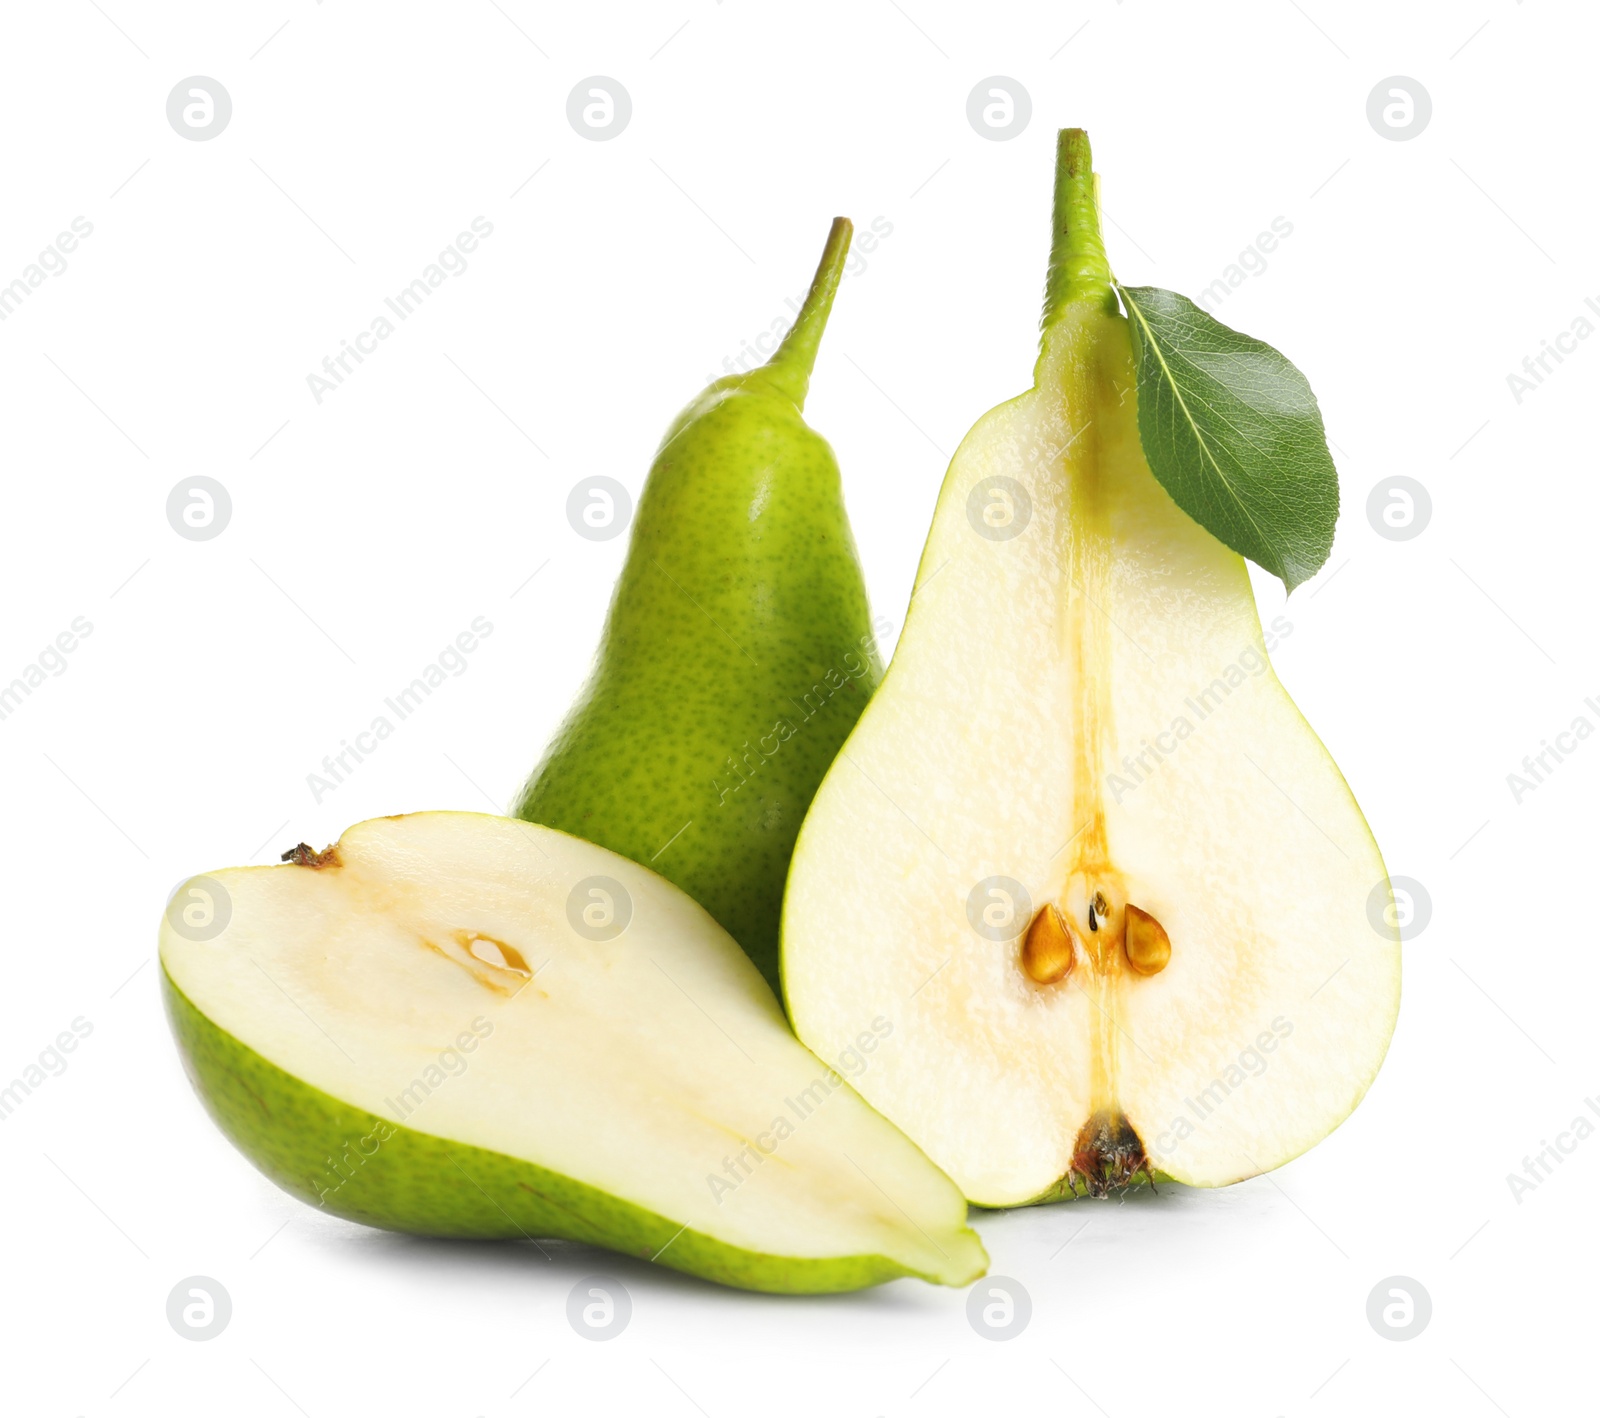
{"type": "Point", "coordinates": [1027, 669]}
{"type": "Point", "coordinates": [639, 1065]}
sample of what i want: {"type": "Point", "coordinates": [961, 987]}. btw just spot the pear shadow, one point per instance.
{"type": "Point", "coordinates": [563, 1263]}
{"type": "Point", "coordinates": [1167, 1196]}
{"type": "Point", "coordinates": [1120, 1219]}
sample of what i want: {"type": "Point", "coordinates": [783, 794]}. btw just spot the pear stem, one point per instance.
{"type": "Point", "coordinates": [1079, 271]}
{"type": "Point", "coordinates": [790, 368]}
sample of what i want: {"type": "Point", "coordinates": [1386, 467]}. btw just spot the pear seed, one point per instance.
{"type": "Point", "coordinates": [496, 953]}
{"type": "Point", "coordinates": [1146, 942]}
{"type": "Point", "coordinates": [1047, 953]}
{"type": "Point", "coordinates": [1098, 910]}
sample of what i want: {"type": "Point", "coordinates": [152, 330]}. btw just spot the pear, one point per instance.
{"type": "Point", "coordinates": [737, 653]}
{"type": "Point", "coordinates": [461, 1025]}
{"type": "Point", "coordinates": [1082, 849]}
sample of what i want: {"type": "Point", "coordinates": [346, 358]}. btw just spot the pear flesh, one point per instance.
{"type": "Point", "coordinates": [435, 1027]}
{"type": "Point", "coordinates": [1085, 707]}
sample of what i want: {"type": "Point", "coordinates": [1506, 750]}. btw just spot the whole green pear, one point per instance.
{"type": "Point", "coordinates": [737, 654]}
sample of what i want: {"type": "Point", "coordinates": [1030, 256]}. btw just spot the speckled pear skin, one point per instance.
{"type": "Point", "coordinates": [737, 655]}
{"type": "Point", "coordinates": [363, 1168]}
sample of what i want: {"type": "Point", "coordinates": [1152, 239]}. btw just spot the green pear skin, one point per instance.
{"type": "Point", "coordinates": [738, 652]}
{"type": "Point", "coordinates": [364, 1168]}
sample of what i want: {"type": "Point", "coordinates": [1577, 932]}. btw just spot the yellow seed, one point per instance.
{"type": "Point", "coordinates": [1146, 942]}
{"type": "Point", "coordinates": [1047, 952]}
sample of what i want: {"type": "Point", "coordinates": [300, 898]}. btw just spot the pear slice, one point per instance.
{"type": "Point", "coordinates": [1081, 705]}
{"type": "Point", "coordinates": [462, 1025]}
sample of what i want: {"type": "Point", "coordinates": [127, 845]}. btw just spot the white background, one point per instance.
{"type": "Point", "coordinates": [369, 529]}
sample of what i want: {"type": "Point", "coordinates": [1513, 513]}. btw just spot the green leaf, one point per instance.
{"type": "Point", "coordinates": [1231, 429]}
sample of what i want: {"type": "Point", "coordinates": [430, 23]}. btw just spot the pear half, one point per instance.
{"type": "Point", "coordinates": [461, 1025]}
{"type": "Point", "coordinates": [1082, 850]}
